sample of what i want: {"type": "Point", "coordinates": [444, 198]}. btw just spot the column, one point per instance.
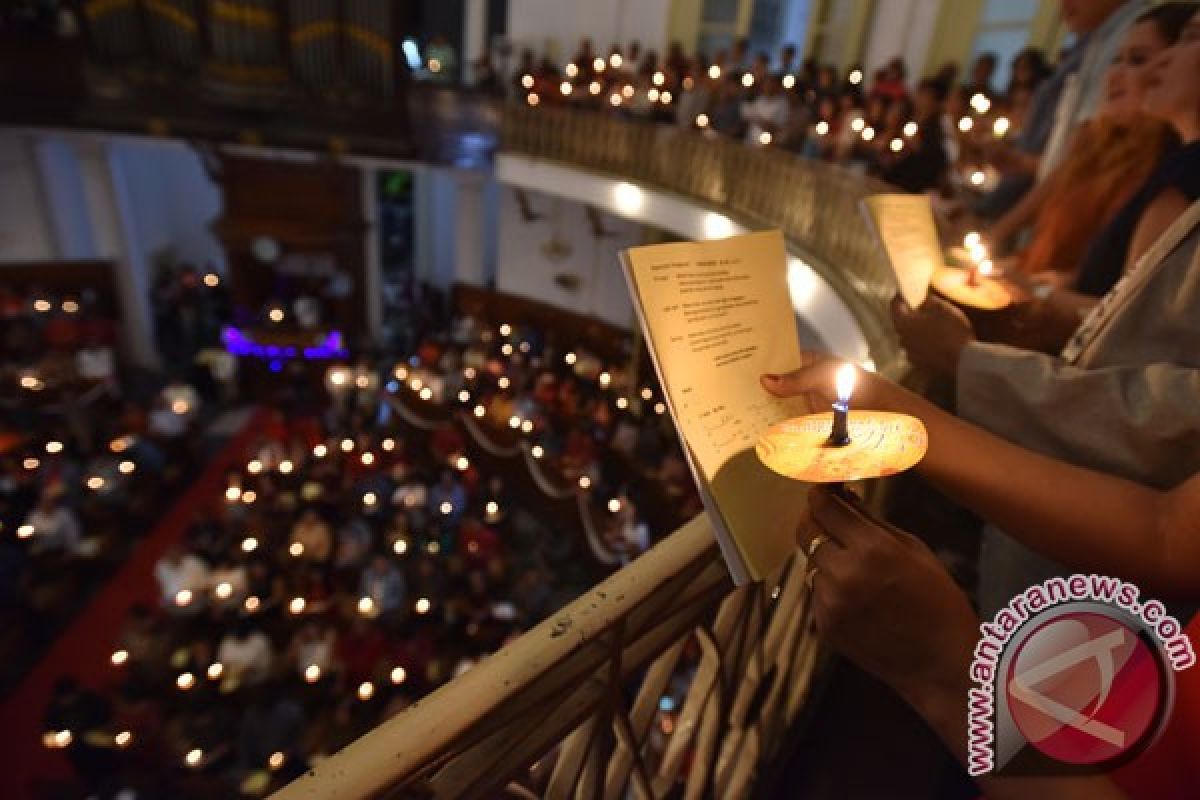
{"type": "Point", "coordinates": [66, 205]}
{"type": "Point", "coordinates": [470, 230]}
{"type": "Point", "coordinates": [373, 254]}
{"type": "Point", "coordinates": [116, 238]}
{"type": "Point", "coordinates": [475, 24]}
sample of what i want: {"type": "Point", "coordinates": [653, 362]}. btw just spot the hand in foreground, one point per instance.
{"type": "Point", "coordinates": [883, 600]}
{"type": "Point", "coordinates": [934, 335]}
{"type": "Point", "coordinates": [814, 380]}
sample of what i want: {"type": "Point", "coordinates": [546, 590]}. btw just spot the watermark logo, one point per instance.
{"type": "Point", "coordinates": [1075, 674]}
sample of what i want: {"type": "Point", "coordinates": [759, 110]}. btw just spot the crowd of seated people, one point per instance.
{"type": "Point", "coordinates": [359, 557]}
{"type": "Point", "coordinates": [85, 449]}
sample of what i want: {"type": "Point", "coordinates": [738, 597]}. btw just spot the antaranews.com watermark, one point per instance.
{"type": "Point", "coordinates": [1076, 622]}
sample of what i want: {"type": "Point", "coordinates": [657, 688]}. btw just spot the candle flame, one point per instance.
{"type": "Point", "coordinates": [844, 381]}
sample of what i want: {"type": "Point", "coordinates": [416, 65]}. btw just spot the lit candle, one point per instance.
{"type": "Point", "coordinates": [844, 385]}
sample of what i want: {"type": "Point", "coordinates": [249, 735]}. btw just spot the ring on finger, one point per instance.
{"type": "Point", "coordinates": [816, 543]}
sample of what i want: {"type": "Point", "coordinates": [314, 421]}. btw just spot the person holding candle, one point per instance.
{"type": "Point", "coordinates": [1110, 156]}
{"type": "Point", "coordinates": [1128, 378]}
{"type": "Point", "coordinates": [1089, 521]}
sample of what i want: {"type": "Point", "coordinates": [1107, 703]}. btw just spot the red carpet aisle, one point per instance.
{"type": "Point", "coordinates": [86, 645]}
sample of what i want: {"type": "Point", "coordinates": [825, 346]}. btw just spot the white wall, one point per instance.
{"type": "Point", "coordinates": [556, 26]}
{"type": "Point", "coordinates": [901, 28]}
{"type": "Point", "coordinates": [25, 232]}
{"type": "Point", "coordinates": [174, 202]}
{"type": "Point", "coordinates": [524, 269]}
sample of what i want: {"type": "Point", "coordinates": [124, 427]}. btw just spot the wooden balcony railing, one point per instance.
{"type": "Point", "coordinates": [575, 707]}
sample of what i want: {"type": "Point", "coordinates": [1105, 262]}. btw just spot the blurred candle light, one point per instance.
{"type": "Point", "coordinates": [286, 467]}
{"type": "Point", "coordinates": [119, 657]}
{"type": "Point", "coordinates": [254, 467]}
{"type": "Point", "coordinates": [183, 598]}
{"type": "Point", "coordinates": [966, 124]}
{"type": "Point", "coordinates": [480, 411]}
{"type": "Point", "coordinates": [503, 382]}
{"type": "Point", "coordinates": [185, 681]}
{"type": "Point", "coordinates": [897, 145]}
{"type": "Point", "coordinates": [857, 124]}
{"type": "Point", "coordinates": [366, 606]}
{"type": "Point", "coordinates": [747, 80]}
{"type": "Point", "coordinates": [389, 444]}
{"type": "Point", "coordinates": [821, 128]}
{"type": "Point", "coordinates": [320, 451]}
{"type": "Point", "coordinates": [527, 81]}
{"type": "Point", "coordinates": [30, 464]}
{"type": "Point", "coordinates": [215, 670]}
{"type": "Point", "coordinates": [978, 177]}
{"type": "Point", "coordinates": [585, 482]}
{"type": "Point", "coordinates": [399, 675]}
{"type": "Point", "coordinates": [856, 77]}
{"type": "Point", "coordinates": [652, 95]}
{"type": "Point", "coordinates": [614, 505]}
{"type": "Point", "coordinates": [252, 603]}
{"type": "Point", "coordinates": [536, 451]}
{"type": "Point", "coordinates": [572, 70]}
{"type": "Point", "coordinates": [615, 61]}
{"type": "Point", "coordinates": [1000, 127]}
{"type": "Point", "coordinates": [714, 72]}
{"type": "Point", "coordinates": [249, 544]}
{"type": "Point", "coordinates": [910, 129]}
{"type": "Point", "coordinates": [54, 446]}
{"type": "Point", "coordinates": [370, 499]}
{"type": "Point", "coordinates": [312, 673]}
{"type": "Point", "coordinates": [25, 531]}
{"type": "Point", "coordinates": [532, 99]}
{"type": "Point", "coordinates": [366, 690]}
{"type": "Point", "coordinates": [123, 739]}
{"type": "Point", "coordinates": [789, 81]}
{"type": "Point", "coordinates": [233, 493]}
{"type": "Point", "coordinates": [194, 757]}
{"type": "Point", "coordinates": [296, 606]}
{"type": "Point", "coordinates": [276, 760]}
{"type": "Point", "coordinates": [658, 79]}
{"type": "Point", "coordinates": [980, 103]}
{"type": "Point", "coordinates": [702, 120]}
{"type": "Point", "coordinates": [400, 547]}
{"type": "Point", "coordinates": [492, 507]}
{"type": "Point", "coordinates": [347, 445]}
{"type": "Point", "coordinates": [868, 133]}
{"type": "Point", "coordinates": [565, 88]}
{"type": "Point", "coordinates": [764, 138]}
{"type": "Point", "coordinates": [423, 605]}
{"type": "Point", "coordinates": [224, 590]}
{"type": "Point", "coordinates": [660, 408]}
{"type": "Point", "coordinates": [211, 280]}
{"type": "Point", "coordinates": [367, 459]}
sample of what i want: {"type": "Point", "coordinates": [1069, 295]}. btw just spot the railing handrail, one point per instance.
{"type": "Point", "coordinates": [386, 757]}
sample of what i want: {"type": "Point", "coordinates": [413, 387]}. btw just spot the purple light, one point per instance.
{"type": "Point", "coordinates": [237, 343]}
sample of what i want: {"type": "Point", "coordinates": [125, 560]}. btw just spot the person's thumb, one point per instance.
{"type": "Point", "coordinates": [790, 384]}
